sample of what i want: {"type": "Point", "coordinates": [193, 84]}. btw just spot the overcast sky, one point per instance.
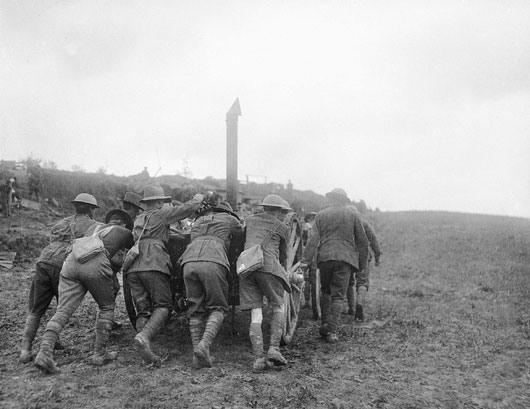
{"type": "Point", "coordinates": [420, 105]}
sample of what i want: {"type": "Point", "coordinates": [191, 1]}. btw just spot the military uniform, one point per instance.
{"type": "Point", "coordinates": [342, 245]}
{"type": "Point", "coordinates": [206, 268]}
{"type": "Point", "coordinates": [76, 278]}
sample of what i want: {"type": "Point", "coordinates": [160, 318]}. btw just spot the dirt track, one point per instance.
{"type": "Point", "coordinates": [449, 327]}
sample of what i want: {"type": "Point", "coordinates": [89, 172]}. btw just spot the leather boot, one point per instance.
{"type": "Point", "coordinates": [196, 330]}
{"type": "Point", "coordinates": [30, 330]}
{"type": "Point", "coordinates": [325, 310]}
{"type": "Point", "coordinates": [140, 323]}
{"type": "Point", "coordinates": [274, 355]}
{"type": "Point", "coordinates": [351, 300]}
{"type": "Point", "coordinates": [362, 295]}
{"type": "Point", "coordinates": [256, 338]}
{"type": "Point", "coordinates": [142, 341]}
{"type": "Point", "coordinates": [44, 359]}
{"type": "Point", "coordinates": [202, 351]}
{"type": "Point", "coordinates": [334, 320]}
{"type": "Point", "coordinates": [101, 356]}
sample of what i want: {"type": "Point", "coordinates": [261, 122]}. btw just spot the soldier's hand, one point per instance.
{"type": "Point", "coordinates": [198, 197]}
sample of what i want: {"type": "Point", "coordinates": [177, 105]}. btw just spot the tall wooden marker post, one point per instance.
{"type": "Point", "coordinates": [232, 184]}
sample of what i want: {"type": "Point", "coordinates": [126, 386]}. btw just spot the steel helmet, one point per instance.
{"type": "Point", "coordinates": [274, 201]}
{"type": "Point", "coordinates": [85, 198]}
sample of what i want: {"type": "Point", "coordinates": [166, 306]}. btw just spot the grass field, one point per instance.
{"type": "Point", "coordinates": [448, 326]}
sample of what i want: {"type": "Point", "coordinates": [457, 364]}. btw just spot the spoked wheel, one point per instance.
{"type": "Point", "coordinates": [293, 300]}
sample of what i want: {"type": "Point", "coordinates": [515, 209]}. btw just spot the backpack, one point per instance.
{"type": "Point", "coordinates": [86, 248]}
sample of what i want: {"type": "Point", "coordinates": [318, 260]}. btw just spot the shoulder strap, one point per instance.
{"type": "Point", "coordinates": [145, 225]}
{"type": "Point", "coordinates": [271, 233]}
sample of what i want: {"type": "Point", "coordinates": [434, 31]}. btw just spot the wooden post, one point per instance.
{"type": "Point", "coordinates": [232, 185]}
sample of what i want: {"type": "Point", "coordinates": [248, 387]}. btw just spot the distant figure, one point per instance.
{"type": "Point", "coordinates": [206, 268]}
{"type": "Point", "coordinates": [46, 278]}
{"type": "Point", "coordinates": [35, 182]}
{"type": "Point", "coordinates": [342, 248]}
{"type": "Point", "coordinates": [310, 275]}
{"type": "Point", "coordinates": [6, 197]}
{"type": "Point", "coordinates": [267, 229]}
{"type": "Point", "coordinates": [149, 273]}
{"type": "Point", "coordinates": [95, 276]}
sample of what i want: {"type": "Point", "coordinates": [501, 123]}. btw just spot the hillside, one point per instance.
{"type": "Point", "coordinates": [448, 327]}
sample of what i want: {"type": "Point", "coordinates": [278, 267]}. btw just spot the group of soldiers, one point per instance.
{"type": "Point", "coordinates": [85, 255]}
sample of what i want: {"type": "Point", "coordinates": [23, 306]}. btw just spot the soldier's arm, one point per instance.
{"type": "Point", "coordinates": [372, 238]}
{"type": "Point", "coordinates": [362, 243]}
{"type": "Point", "coordinates": [175, 214]}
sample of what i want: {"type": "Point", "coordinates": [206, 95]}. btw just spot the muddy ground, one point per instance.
{"type": "Point", "coordinates": [448, 326]}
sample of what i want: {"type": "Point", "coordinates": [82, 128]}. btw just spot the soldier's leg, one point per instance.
{"type": "Point", "coordinates": [274, 291]}
{"type": "Point", "coordinates": [158, 286]}
{"type": "Point", "coordinates": [251, 298]}
{"type": "Point", "coordinates": [338, 286]}
{"type": "Point", "coordinates": [97, 276]}
{"type": "Point", "coordinates": [326, 274]}
{"type": "Point", "coordinates": [42, 292]}
{"type": "Point", "coordinates": [196, 310]}
{"type": "Point", "coordinates": [142, 300]}
{"type": "Point", "coordinates": [214, 280]}
{"type": "Point", "coordinates": [363, 284]}
{"type": "Point", "coordinates": [72, 292]}
{"type": "Point", "coordinates": [351, 294]}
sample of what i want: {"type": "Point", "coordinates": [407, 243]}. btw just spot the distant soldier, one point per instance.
{"type": "Point", "coordinates": [310, 275]}
{"type": "Point", "coordinates": [361, 279]}
{"type": "Point", "coordinates": [149, 274]}
{"type": "Point", "coordinates": [46, 278]}
{"type": "Point", "coordinates": [95, 276]}
{"type": "Point", "coordinates": [35, 181]}
{"type": "Point", "coordinates": [6, 196]}
{"type": "Point", "coordinates": [268, 229]}
{"type": "Point", "coordinates": [342, 248]}
{"type": "Point", "coordinates": [206, 268]}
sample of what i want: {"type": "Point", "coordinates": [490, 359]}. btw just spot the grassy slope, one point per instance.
{"type": "Point", "coordinates": [449, 327]}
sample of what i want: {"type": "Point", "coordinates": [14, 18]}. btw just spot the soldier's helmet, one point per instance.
{"type": "Point", "coordinates": [85, 198]}
{"type": "Point", "coordinates": [274, 201]}
{"type": "Point", "coordinates": [338, 195]}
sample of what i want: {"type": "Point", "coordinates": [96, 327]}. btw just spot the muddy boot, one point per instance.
{"type": "Point", "coordinates": [196, 330]}
{"type": "Point", "coordinates": [30, 330]}
{"type": "Point", "coordinates": [140, 323]}
{"type": "Point", "coordinates": [44, 359]}
{"type": "Point", "coordinates": [273, 354]}
{"type": "Point", "coordinates": [325, 309]}
{"type": "Point", "coordinates": [202, 351]}
{"type": "Point", "coordinates": [256, 338]}
{"type": "Point", "coordinates": [362, 295]}
{"type": "Point", "coordinates": [334, 320]}
{"type": "Point", "coordinates": [142, 341]}
{"type": "Point", "coordinates": [101, 356]}
{"type": "Point", "coordinates": [351, 300]}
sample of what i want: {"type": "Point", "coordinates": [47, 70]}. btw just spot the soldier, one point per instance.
{"type": "Point", "coordinates": [149, 274]}
{"type": "Point", "coordinates": [95, 276]}
{"type": "Point", "coordinates": [270, 280]}
{"type": "Point", "coordinates": [131, 203]}
{"type": "Point", "coordinates": [6, 196]}
{"type": "Point", "coordinates": [361, 281]}
{"type": "Point", "coordinates": [46, 278]}
{"type": "Point", "coordinates": [310, 275]}
{"type": "Point", "coordinates": [206, 268]}
{"type": "Point", "coordinates": [342, 248]}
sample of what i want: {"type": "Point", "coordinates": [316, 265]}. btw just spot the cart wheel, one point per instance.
{"type": "Point", "coordinates": [294, 300]}
{"type": "Point", "coordinates": [129, 304]}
